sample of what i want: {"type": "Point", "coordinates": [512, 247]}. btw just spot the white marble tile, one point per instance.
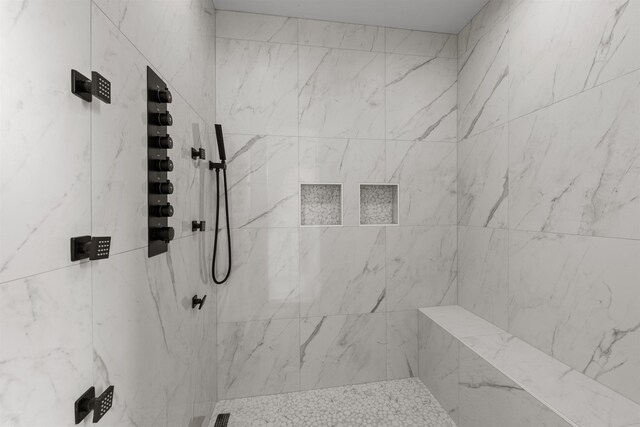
{"type": "Point", "coordinates": [411, 42]}
{"type": "Point", "coordinates": [251, 26]}
{"type": "Point", "coordinates": [256, 358]}
{"type": "Point", "coordinates": [257, 88]}
{"type": "Point", "coordinates": [341, 93]}
{"type": "Point", "coordinates": [492, 13]}
{"type": "Point", "coordinates": [45, 161]}
{"type": "Point", "coordinates": [204, 369]}
{"type": "Point", "coordinates": [402, 344]}
{"type": "Point", "coordinates": [406, 403]}
{"type": "Point", "coordinates": [144, 324]}
{"type": "Point", "coordinates": [483, 179]}
{"type": "Point", "coordinates": [483, 88]}
{"type": "Point", "coordinates": [348, 161]}
{"type": "Point", "coordinates": [264, 281]}
{"type": "Point", "coordinates": [177, 38]}
{"type": "Point", "coordinates": [438, 364]}
{"type": "Point", "coordinates": [580, 174]}
{"type": "Point", "coordinates": [560, 48]}
{"type": "Point", "coordinates": [574, 298]}
{"type": "Point", "coordinates": [119, 140]}
{"type": "Point", "coordinates": [421, 99]}
{"type": "Point", "coordinates": [342, 270]}
{"type": "Point", "coordinates": [342, 350]}
{"type": "Point", "coordinates": [426, 174]}
{"type": "Point", "coordinates": [421, 267]}
{"type": "Point", "coordinates": [262, 173]}
{"type": "Point", "coordinates": [579, 399]}
{"type": "Point", "coordinates": [45, 346]}
{"type": "Point", "coordinates": [460, 322]}
{"type": "Point", "coordinates": [338, 35]}
{"type": "Point", "coordinates": [483, 388]}
{"type": "Point", "coordinates": [483, 282]}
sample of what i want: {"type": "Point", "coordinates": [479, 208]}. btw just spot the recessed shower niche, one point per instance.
{"type": "Point", "coordinates": [321, 204]}
{"type": "Point", "coordinates": [378, 204]}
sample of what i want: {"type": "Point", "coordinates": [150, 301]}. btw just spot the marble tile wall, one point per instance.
{"type": "Point", "coordinates": [69, 168]}
{"type": "Point", "coordinates": [302, 102]}
{"type": "Point", "coordinates": [549, 176]}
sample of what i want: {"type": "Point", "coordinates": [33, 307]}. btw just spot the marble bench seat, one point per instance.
{"type": "Point", "coordinates": [484, 376]}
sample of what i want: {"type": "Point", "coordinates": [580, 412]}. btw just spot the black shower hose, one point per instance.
{"type": "Point", "coordinates": [215, 238]}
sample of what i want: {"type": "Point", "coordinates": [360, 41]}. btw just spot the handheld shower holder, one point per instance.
{"type": "Point", "coordinates": [217, 166]}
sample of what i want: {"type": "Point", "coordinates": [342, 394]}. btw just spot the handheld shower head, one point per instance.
{"type": "Point", "coordinates": [220, 139]}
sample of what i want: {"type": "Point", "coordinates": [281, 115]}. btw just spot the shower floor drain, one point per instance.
{"type": "Point", "coordinates": [222, 420]}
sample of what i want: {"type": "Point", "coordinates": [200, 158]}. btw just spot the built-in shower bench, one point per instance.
{"type": "Point", "coordinates": [484, 376]}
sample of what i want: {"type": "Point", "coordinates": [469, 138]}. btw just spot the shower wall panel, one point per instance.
{"type": "Point", "coordinates": [549, 179]}
{"type": "Point", "coordinates": [306, 102]}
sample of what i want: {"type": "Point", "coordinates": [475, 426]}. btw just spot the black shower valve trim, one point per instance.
{"type": "Point", "coordinates": [198, 302]}
{"type": "Point", "coordinates": [198, 153]}
{"type": "Point", "coordinates": [198, 225]}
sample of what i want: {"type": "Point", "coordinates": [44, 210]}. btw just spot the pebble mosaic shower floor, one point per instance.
{"type": "Point", "coordinates": [401, 403]}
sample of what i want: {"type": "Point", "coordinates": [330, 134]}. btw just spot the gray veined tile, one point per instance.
{"type": "Point", "coordinates": [482, 273]}
{"type": "Point", "coordinates": [264, 281]}
{"type": "Point", "coordinates": [426, 174]}
{"type": "Point", "coordinates": [340, 350]}
{"type": "Point", "coordinates": [574, 297]}
{"type": "Point", "coordinates": [347, 161]}
{"type": "Point", "coordinates": [45, 164]}
{"type": "Point", "coordinates": [483, 187]}
{"type": "Point", "coordinates": [482, 385]}
{"type": "Point", "coordinates": [581, 174]}
{"type": "Point", "coordinates": [421, 102]}
{"type": "Point", "coordinates": [176, 38]}
{"type": "Point", "coordinates": [257, 87]}
{"type": "Point", "coordinates": [421, 267]}
{"type": "Point", "coordinates": [438, 363]}
{"type": "Point", "coordinates": [342, 270]}
{"type": "Point", "coordinates": [339, 35]}
{"type": "Point", "coordinates": [45, 346]}
{"type": "Point", "coordinates": [411, 42]}
{"type": "Point", "coordinates": [402, 344]}
{"type": "Point", "coordinates": [492, 13]}
{"type": "Point", "coordinates": [341, 93]}
{"type": "Point", "coordinates": [483, 82]}
{"type": "Point", "coordinates": [251, 26]}
{"type": "Point", "coordinates": [561, 48]}
{"type": "Point", "coordinates": [262, 178]}
{"type": "Point", "coordinates": [257, 358]}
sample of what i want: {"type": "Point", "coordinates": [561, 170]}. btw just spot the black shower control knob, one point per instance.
{"type": "Point", "coordinates": [165, 165]}
{"type": "Point", "coordinates": [164, 142]}
{"type": "Point", "coordinates": [161, 119]}
{"type": "Point", "coordinates": [162, 95]}
{"type": "Point", "coordinates": [165, 234]}
{"type": "Point", "coordinates": [162, 188]}
{"type": "Point", "coordinates": [162, 210]}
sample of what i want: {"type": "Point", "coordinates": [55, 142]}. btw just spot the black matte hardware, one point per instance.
{"type": "Point", "coordinates": [83, 247]}
{"type": "Point", "coordinates": [161, 95]}
{"type": "Point", "coordinates": [163, 165]}
{"type": "Point", "coordinates": [159, 164]}
{"type": "Point", "coordinates": [222, 420]}
{"type": "Point", "coordinates": [197, 153]}
{"type": "Point", "coordinates": [163, 234]}
{"type": "Point", "coordinates": [161, 119]}
{"type": "Point", "coordinates": [198, 225]}
{"type": "Point", "coordinates": [217, 166]}
{"type": "Point", "coordinates": [162, 210]}
{"type": "Point", "coordinates": [89, 402]}
{"type": "Point", "coordinates": [86, 89]}
{"type": "Point", "coordinates": [220, 140]}
{"type": "Point", "coordinates": [164, 142]}
{"type": "Point", "coordinates": [198, 302]}
{"type": "Point", "coordinates": [161, 187]}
